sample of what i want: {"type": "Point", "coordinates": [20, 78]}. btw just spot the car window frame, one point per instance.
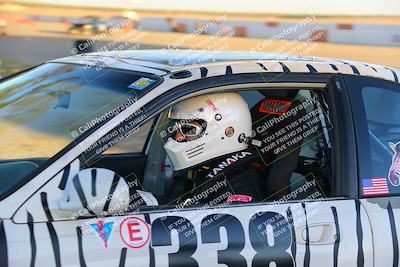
{"type": "Point", "coordinates": [280, 87]}
{"type": "Point", "coordinates": [355, 86]}
{"type": "Point", "coordinates": [145, 144]}
{"type": "Point", "coordinates": [201, 86]}
{"type": "Point", "coordinates": [345, 153]}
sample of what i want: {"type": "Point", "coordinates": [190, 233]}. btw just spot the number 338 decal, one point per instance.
{"type": "Point", "coordinates": [270, 235]}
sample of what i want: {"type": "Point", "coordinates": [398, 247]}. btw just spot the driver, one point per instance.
{"type": "Point", "coordinates": [210, 152]}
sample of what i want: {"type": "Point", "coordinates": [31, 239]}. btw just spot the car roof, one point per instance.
{"type": "Point", "coordinates": [165, 61]}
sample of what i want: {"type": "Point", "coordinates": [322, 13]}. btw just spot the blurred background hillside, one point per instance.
{"type": "Point", "coordinates": [32, 32]}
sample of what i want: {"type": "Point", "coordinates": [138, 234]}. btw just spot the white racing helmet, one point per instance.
{"type": "Point", "coordinates": [205, 127]}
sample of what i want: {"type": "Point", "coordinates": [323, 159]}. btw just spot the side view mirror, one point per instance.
{"type": "Point", "coordinates": [93, 192]}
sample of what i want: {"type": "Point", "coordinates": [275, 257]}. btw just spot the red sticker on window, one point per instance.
{"type": "Point", "coordinates": [239, 198]}
{"type": "Point", "coordinates": [274, 106]}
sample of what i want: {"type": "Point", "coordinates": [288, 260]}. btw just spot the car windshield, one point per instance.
{"type": "Point", "coordinates": [46, 108]}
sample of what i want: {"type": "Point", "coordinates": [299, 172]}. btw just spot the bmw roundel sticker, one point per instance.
{"type": "Point", "coordinates": [141, 84]}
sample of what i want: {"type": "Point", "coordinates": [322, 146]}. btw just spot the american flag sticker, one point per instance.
{"type": "Point", "coordinates": [375, 187]}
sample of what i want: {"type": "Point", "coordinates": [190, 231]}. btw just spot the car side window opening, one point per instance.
{"type": "Point", "coordinates": [377, 104]}
{"type": "Point", "coordinates": [235, 148]}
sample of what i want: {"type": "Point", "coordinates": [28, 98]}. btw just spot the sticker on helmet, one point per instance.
{"type": "Point", "coordinates": [103, 231]}
{"type": "Point", "coordinates": [394, 170]}
{"type": "Point", "coordinates": [141, 84]}
{"type": "Point", "coordinates": [135, 232]}
{"type": "Point", "coordinates": [211, 105]}
{"type": "Point", "coordinates": [229, 131]}
{"type": "Point", "coordinates": [274, 106]}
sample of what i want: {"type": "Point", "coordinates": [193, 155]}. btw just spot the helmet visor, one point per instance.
{"type": "Point", "coordinates": [187, 130]}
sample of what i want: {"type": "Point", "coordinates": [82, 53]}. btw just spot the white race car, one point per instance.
{"type": "Point", "coordinates": [85, 178]}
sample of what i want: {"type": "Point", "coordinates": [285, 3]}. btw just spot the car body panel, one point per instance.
{"type": "Point", "coordinates": [322, 223]}
{"type": "Point", "coordinates": [177, 60]}
{"type": "Point", "coordinates": [338, 231]}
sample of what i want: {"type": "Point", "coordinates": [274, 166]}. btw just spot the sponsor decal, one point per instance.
{"type": "Point", "coordinates": [274, 106]}
{"type": "Point", "coordinates": [375, 187]}
{"type": "Point", "coordinates": [239, 198]}
{"type": "Point", "coordinates": [141, 84]}
{"type": "Point", "coordinates": [229, 131]}
{"type": "Point", "coordinates": [227, 162]}
{"type": "Point", "coordinates": [103, 231]}
{"type": "Point", "coordinates": [178, 240]}
{"type": "Point", "coordinates": [135, 232]}
{"type": "Point", "coordinates": [394, 171]}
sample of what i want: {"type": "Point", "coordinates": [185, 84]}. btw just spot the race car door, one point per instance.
{"type": "Point", "coordinates": [49, 234]}
{"type": "Point", "coordinates": [308, 225]}
{"type": "Point", "coordinates": [317, 221]}
{"type": "Point", "coordinates": [333, 233]}
{"type": "Point", "coordinates": [376, 103]}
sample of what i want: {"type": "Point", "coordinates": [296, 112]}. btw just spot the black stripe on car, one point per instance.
{"type": "Point", "coordinates": [291, 225]}
{"type": "Point", "coordinates": [55, 244]}
{"type": "Point", "coordinates": [32, 239]}
{"type": "Point", "coordinates": [368, 66]}
{"type": "Point", "coordinates": [284, 67]}
{"type": "Point", "coordinates": [394, 235]}
{"type": "Point", "coordinates": [307, 253]}
{"type": "Point", "coordinates": [334, 67]}
{"type": "Point", "coordinates": [360, 254]}
{"type": "Point", "coordinates": [203, 72]}
{"type": "Point", "coordinates": [396, 79]}
{"type": "Point", "coordinates": [228, 70]}
{"type": "Point", "coordinates": [355, 70]}
{"type": "Point", "coordinates": [64, 178]}
{"type": "Point", "coordinates": [337, 241]}
{"type": "Point", "coordinates": [3, 246]}
{"type": "Point", "coordinates": [43, 199]}
{"type": "Point", "coordinates": [311, 68]}
{"type": "Point", "coordinates": [80, 247]}
{"type": "Point", "coordinates": [81, 194]}
{"type": "Point", "coordinates": [112, 189]}
{"type": "Point", "coordinates": [94, 176]}
{"type": "Point", "coordinates": [262, 66]}
{"type": "Point", "coordinates": [122, 258]}
{"type": "Point", "coordinates": [53, 235]}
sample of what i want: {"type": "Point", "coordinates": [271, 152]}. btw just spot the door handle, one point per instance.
{"type": "Point", "coordinates": [318, 234]}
